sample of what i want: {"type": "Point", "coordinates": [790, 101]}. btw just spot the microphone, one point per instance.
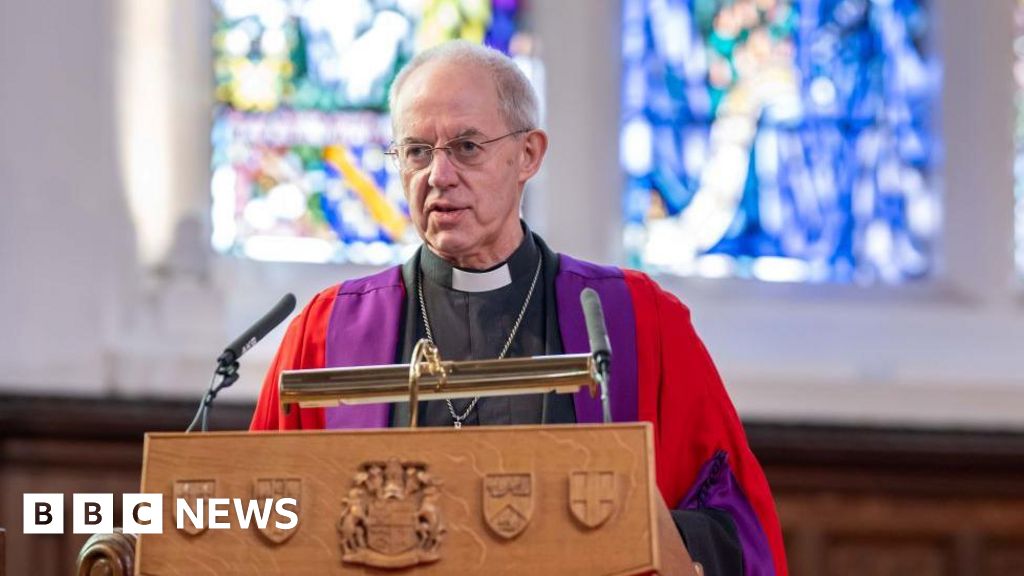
{"type": "Point", "coordinates": [257, 331]}
{"type": "Point", "coordinates": [227, 363]}
{"type": "Point", "coordinates": [600, 346]}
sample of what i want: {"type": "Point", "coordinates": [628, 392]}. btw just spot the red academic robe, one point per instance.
{"type": "Point", "coordinates": [702, 456]}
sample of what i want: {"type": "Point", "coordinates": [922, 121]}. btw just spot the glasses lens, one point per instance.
{"type": "Point", "coordinates": [466, 152]}
{"type": "Point", "coordinates": [392, 154]}
{"type": "Point", "coordinates": [415, 156]}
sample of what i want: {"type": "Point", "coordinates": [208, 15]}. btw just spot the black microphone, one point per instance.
{"type": "Point", "coordinates": [227, 363]}
{"type": "Point", "coordinates": [257, 331]}
{"type": "Point", "coordinates": [600, 346]}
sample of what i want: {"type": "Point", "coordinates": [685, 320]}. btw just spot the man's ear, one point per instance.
{"type": "Point", "coordinates": [535, 145]}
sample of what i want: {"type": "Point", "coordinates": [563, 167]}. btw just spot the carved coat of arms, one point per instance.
{"type": "Point", "coordinates": [508, 503]}
{"type": "Point", "coordinates": [192, 491]}
{"type": "Point", "coordinates": [274, 489]}
{"type": "Point", "coordinates": [391, 517]}
{"type": "Point", "coordinates": [593, 496]}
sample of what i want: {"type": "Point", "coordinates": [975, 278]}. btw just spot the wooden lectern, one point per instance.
{"type": "Point", "coordinates": [493, 500]}
{"type": "Point", "coordinates": [568, 499]}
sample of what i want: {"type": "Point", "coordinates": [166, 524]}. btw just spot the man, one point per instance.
{"type": "Point", "coordinates": [484, 286]}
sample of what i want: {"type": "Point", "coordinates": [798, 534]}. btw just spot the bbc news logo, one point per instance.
{"type": "Point", "coordinates": [143, 513]}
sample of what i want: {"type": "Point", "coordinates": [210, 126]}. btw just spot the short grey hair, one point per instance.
{"type": "Point", "coordinates": [516, 98]}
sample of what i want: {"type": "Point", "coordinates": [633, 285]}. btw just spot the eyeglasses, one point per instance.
{"type": "Point", "coordinates": [464, 152]}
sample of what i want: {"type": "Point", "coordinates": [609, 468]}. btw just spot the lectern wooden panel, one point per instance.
{"type": "Point", "coordinates": [491, 500]}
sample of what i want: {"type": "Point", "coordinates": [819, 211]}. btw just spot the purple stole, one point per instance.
{"type": "Point", "coordinates": [363, 331]}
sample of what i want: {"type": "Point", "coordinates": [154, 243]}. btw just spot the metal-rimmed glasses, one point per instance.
{"type": "Point", "coordinates": [464, 151]}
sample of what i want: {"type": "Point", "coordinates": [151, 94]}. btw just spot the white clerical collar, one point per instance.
{"type": "Point", "coordinates": [466, 281]}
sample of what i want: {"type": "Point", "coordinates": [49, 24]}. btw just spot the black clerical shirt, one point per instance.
{"type": "Point", "coordinates": [475, 325]}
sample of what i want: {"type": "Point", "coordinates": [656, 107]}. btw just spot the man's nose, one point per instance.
{"type": "Point", "coordinates": [443, 173]}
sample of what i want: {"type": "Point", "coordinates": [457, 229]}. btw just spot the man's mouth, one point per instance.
{"type": "Point", "coordinates": [446, 214]}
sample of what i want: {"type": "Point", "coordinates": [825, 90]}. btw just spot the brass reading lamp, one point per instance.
{"type": "Point", "coordinates": [428, 377]}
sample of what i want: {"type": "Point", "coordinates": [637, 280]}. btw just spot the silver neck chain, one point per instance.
{"type": "Point", "coordinates": [457, 419]}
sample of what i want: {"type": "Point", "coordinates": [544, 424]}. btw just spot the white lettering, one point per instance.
{"type": "Point", "coordinates": [245, 511]}
{"type": "Point", "coordinates": [253, 509]}
{"type": "Point", "coordinates": [183, 509]}
{"type": "Point", "coordinates": [219, 508]}
{"type": "Point", "coordinates": [279, 506]}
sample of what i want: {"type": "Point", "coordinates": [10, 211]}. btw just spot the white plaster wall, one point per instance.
{"type": "Point", "coordinates": [64, 240]}
{"type": "Point", "coordinates": [79, 314]}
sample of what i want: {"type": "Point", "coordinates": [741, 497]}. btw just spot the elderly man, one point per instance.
{"type": "Point", "coordinates": [484, 286]}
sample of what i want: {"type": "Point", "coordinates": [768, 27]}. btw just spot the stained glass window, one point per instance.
{"type": "Point", "coordinates": [301, 122]}
{"type": "Point", "coordinates": [784, 140]}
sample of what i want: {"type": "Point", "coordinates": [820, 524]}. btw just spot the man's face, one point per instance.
{"type": "Point", "coordinates": [468, 215]}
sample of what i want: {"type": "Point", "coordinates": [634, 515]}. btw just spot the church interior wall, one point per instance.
{"type": "Point", "coordinates": [98, 299]}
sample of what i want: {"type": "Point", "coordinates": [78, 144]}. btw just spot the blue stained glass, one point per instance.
{"type": "Point", "coordinates": [779, 139]}
{"type": "Point", "coordinates": [301, 123]}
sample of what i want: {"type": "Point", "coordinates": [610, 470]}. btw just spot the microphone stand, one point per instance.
{"type": "Point", "coordinates": [227, 363]}
{"type": "Point", "coordinates": [602, 360]}
{"type": "Point", "coordinates": [227, 369]}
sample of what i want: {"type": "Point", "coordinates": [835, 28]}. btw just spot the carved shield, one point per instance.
{"type": "Point", "coordinates": [592, 496]}
{"type": "Point", "coordinates": [274, 489]}
{"type": "Point", "coordinates": [391, 526]}
{"type": "Point", "coordinates": [508, 503]}
{"type": "Point", "coordinates": [192, 491]}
